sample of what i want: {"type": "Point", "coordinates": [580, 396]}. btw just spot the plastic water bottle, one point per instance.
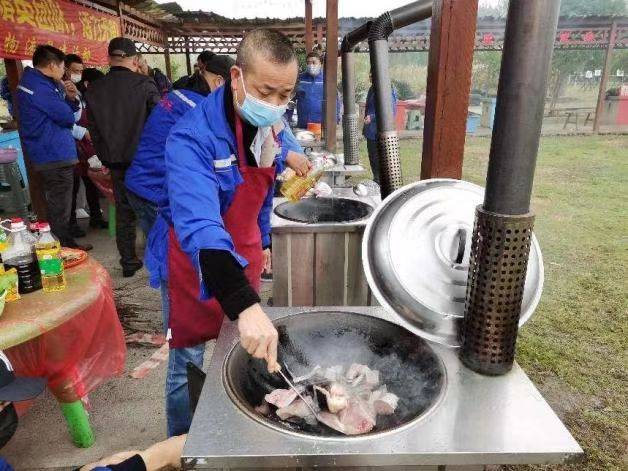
{"type": "Point", "coordinates": [20, 256]}
{"type": "Point", "coordinates": [48, 249]}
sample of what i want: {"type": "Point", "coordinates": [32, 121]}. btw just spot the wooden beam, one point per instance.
{"type": "Point", "coordinates": [599, 109]}
{"type": "Point", "coordinates": [448, 84]}
{"type": "Point", "coordinates": [309, 37]}
{"type": "Point", "coordinates": [331, 75]}
{"type": "Point", "coordinates": [35, 186]}
{"type": "Point", "coordinates": [188, 62]}
{"type": "Point", "coordinates": [168, 64]}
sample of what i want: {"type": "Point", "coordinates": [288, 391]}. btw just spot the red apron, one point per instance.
{"type": "Point", "coordinates": [193, 321]}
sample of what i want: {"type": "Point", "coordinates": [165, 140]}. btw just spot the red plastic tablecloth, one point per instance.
{"type": "Point", "coordinates": [73, 337]}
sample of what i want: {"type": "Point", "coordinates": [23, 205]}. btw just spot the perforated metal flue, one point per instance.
{"type": "Point", "coordinates": [389, 162]}
{"type": "Point", "coordinates": [497, 273]}
{"type": "Point", "coordinates": [351, 139]}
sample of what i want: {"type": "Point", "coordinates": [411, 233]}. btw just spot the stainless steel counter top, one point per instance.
{"type": "Point", "coordinates": [480, 420]}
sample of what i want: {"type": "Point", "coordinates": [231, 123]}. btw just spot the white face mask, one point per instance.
{"type": "Point", "coordinates": [313, 69]}
{"type": "Point", "coordinates": [76, 78]}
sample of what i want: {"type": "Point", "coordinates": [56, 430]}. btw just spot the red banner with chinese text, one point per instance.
{"type": "Point", "coordinates": [24, 24]}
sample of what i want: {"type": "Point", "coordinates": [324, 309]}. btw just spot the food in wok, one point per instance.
{"type": "Point", "coordinates": [346, 400]}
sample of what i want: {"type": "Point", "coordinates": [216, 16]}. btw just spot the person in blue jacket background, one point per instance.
{"type": "Point", "coordinates": [310, 92]}
{"type": "Point", "coordinates": [145, 178]}
{"type": "Point", "coordinates": [48, 110]}
{"type": "Point", "coordinates": [221, 162]}
{"type": "Point", "coordinates": [370, 129]}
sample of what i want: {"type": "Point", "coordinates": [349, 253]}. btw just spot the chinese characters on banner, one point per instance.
{"type": "Point", "coordinates": [24, 24]}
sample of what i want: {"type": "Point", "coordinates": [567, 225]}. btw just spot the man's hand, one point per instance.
{"type": "Point", "coordinates": [367, 119]}
{"type": "Point", "coordinates": [299, 163]}
{"type": "Point", "coordinates": [268, 261]}
{"type": "Point", "coordinates": [70, 90]}
{"type": "Point", "coordinates": [259, 336]}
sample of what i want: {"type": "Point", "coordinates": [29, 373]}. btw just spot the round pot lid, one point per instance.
{"type": "Point", "coordinates": [416, 249]}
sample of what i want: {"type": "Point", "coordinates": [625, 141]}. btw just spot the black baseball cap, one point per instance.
{"type": "Point", "coordinates": [122, 47]}
{"type": "Point", "coordinates": [219, 65]}
{"type": "Point", "coordinates": [17, 388]}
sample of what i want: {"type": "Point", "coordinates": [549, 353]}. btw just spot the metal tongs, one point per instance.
{"type": "Point", "coordinates": [293, 387]}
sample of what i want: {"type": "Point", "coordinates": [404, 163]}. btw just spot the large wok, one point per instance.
{"type": "Point", "coordinates": [407, 364]}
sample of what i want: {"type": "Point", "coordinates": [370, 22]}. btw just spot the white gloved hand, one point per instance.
{"type": "Point", "coordinates": [322, 189]}
{"type": "Point", "coordinates": [94, 162]}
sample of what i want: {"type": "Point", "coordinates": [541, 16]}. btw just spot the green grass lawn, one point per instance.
{"type": "Point", "coordinates": [575, 348]}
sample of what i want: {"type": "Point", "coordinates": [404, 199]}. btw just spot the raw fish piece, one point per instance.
{"type": "Point", "coordinates": [362, 375]}
{"type": "Point", "coordinates": [298, 409]}
{"type": "Point", "coordinates": [263, 408]}
{"type": "Point", "coordinates": [281, 397]}
{"type": "Point", "coordinates": [384, 402]}
{"type": "Point", "coordinates": [356, 419]}
{"type": "Point", "coordinates": [336, 397]}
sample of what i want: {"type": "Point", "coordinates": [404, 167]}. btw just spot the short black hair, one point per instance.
{"type": "Point", "coordinates": [91, 74]}
{"type": "Point", "coordinates": [315, 55]}
{"type": "Point", "coordinates": [45, 55]}
{"type": "Point", "coordinates": [275, 46]}
{"type": "Point", "coordinates": [72, 59]}
{"type": "Point", "coordinates": [205, 56]}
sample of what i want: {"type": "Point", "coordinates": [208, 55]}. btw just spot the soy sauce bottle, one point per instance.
{"type": "Point", "coordinates": [20, 256]}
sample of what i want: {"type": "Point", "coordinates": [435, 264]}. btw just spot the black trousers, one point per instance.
{"type": "Point", "coordinates": [58, 188]}
{"type": "Point", "coordinates": [93, 199]}
{"type": "Point", "coordinates": [371, 146]}
{"type": "Point", "coordinates": [125, 219]}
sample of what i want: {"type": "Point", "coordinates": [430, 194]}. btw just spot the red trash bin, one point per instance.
{"type": "Point", "coordinates": [401, 116]}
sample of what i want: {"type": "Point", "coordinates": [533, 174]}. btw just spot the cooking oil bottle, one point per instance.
{"type": "Point", "coordinates": [295, 187]}
{"type": "Point", "coordinates": [48, 251]}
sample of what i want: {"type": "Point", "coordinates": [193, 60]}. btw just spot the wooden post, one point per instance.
{"type": "Point", "coordinates": [121, 17]}
{"type": "Point", "coordinates": [599, 109]}
{"type": "Point", "coordinates": [38, 202]}
{"type": "Point", "coordinates": [167, 60]}
{"type": "Point", "coordinates": [448, 84]}
{"type": "Point", "coordinates": [188, 62]}
{"type": "Point", "coordinates": [319, 34]}
{"type": "Point", "coordinates": [309, 37]}
{"type": "Point", "coordinates": [331, 75]}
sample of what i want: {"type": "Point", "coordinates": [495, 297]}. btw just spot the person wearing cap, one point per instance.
{"type": "Point", "coordinates": [221, 162]}
{"type": "Point", "coordinates": [13, 389]}
{"type": "Point", "coordinates": [49, 109]}
{"type": "Point", "coordinates": [309, 93]}
{"type": "Point", "coordinates": [117, 107]}
{"type": "Point", "coordinates": [146, 176]}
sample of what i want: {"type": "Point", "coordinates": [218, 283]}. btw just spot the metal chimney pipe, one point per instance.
{"type": "Point", "coordinates": [503, 225]}
{"type": "Point", "coordinates": [388, 141]}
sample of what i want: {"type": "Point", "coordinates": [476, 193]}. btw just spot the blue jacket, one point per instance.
{"type": "Point", "coordinates": [46, 119]}
{"type": "Point", "coordinates": [201, 178]}
{"type": "Point", "coordinates": [309, 98]}
{"type": "Point", "coordinates": [370, 130]}
{"type": "Point", "coordinates": [147, 174]}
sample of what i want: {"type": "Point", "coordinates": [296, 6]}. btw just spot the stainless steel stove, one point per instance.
{"type": "Point", "coordinates": [477, 420]}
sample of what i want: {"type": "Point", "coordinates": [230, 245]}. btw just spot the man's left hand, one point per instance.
{"type": "Point", "coordinates": [268, 261]}
{"type": "Point", "coordinates": [70, 90]}
{"type": "Point", "coordinates": [299, 163]}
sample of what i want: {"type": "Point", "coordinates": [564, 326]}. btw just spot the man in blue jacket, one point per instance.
{"type": "Point", "coordinates": [48, 110]}
{"type": "Point", "coordinates": [145, 178]}
{"type": "Point", "coordinates": [310, 93]}
{"type": "Point", "coordinates": [370, 129]}
{"type": "Point", "coordinates": [220, 169]}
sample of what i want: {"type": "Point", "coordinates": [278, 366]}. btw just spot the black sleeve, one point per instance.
{"type": "Point", "coordinates": [225, 278]}
{"type": "Point", "coordinates": [134, 463]}
{"type": "Point", "coordinates": [152, 94]}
